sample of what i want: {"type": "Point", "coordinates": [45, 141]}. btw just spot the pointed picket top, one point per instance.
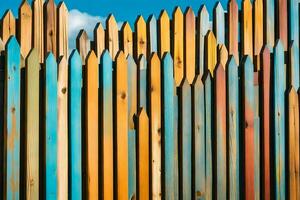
{"type": "Point", "coordinates": [152, 34]}
{"type": "Point", "coordinates": [231, 66]}
{"type": "Point", "coordinates": [8, 24]}
{"type": "Point", "coordinates": [294, 65]}
{"type": "Point", "coordinates": [50, 27]}
{"type": "Point", "coordinates": [38, 24]}
{"type": "Point", "coordinates": [177, 12]}
{"type": "Point", "coordinates": [278, 48]}
{"type": "Point", "coordinates": [142, 62]}
{"type": "Point", "coordinates": [112, 39]}
{"type": "Point", "coordinates": [154, 62]}
{"type": "Point", "coordinates": [258, 28]}
{"type": "Point", "coordinates": [233, 26]}
{"type": "Point", "coordinates": [211, 51]}
{"type": "Point", "coordinates": [222, 54]}
{"type": "Point", "coordinates": [25, 28]}
{"type": "Point", "coordinates": [99, 40]}
{"type": "Point", "coordinates": [246, 29]}
{"type": "Point", "coordinates": [127, 39]}
{"type": "Point", "coordinates": [164, 33]}
{"type": "Point", "coordinates": [91, 58]}
{"type": "Point", "coordinates": [83, 45]}
{"type": "Point", "coordinates": [203, 20]}
{"type": "Point", "coordinates": [120, 59]}
{"type": "Point", "coordinates": [207, 77]}
{"type": "Point", "coordinates": [142, 114]}
{"type": "Point", "coordinates": [31, 58]}
{"type": "Point", "coordinates": [219, 23]}
{"type": "Point", "coordinates": [12, 43]}
{"type": "Point", "coordinates": [141, 37]}
{"type": "Point", "coordinates": [106, 58]}
{"type": "Point", "coordinates": [74, 57]}
{"type": "Point", "coordinates": [63, 23]}
{"type": "Point", "coordinates": [219, 71]}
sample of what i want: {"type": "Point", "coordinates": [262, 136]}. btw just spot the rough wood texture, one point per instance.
{"type": "Point", "coordinates": [38, 28]}
{"type": "Point", "coordinates": [219, 23]}
{"type": "Point", "coordinates": [140, 39]}
{"type": "Point", "coordinates": [25, 28]}
{"type": "Point", "coordinates": [178, 45]}
{"type": "Point", "coordinates": [233, 29]}
{"type": "Point", "coordinates": [246, 29]}
{"type": "Point", "coordinates": [83, 45]}
{"type": "Point", "coordinates": [91, 127]}
{"type": "Point", "coordinates": [127, 40]}
{"type": "Point", "coordinates": [50, 28]}
{"type": "Point", "coordinates": [121, 126]}
{"type": "Point", "coordinates": [143, 155]}
{"type": "Point", "coordinates": [112, 36]}
{"type": "Point", "coordinates": [99, 40]}
{"type": "Point", "coordinates": [163, 33]}
{"type": "Point", "coordinates": [269, 22]}
{"type": "Point", "coordinates": [210, 51]}
{"type": "Point", "coordinates": [190, 45]}
{"type": "Point", "coordinates": [151, 35]}
{"type": "Point", "coordinates": [63, 30]}
{"type": "Point", "coordinates": [8, 26]}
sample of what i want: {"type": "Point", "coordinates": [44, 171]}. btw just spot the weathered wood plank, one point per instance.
{"type": "Point", "coordinates": [143, 155]}
{"type": "Point", "coordinates": [99, 40]}
{"type": "Point", "coordinates": [163, 33]}
{"type": "Point", "coordinates": [151, 35]}
{"type": "Point", "coordinates": [155, 124]}
{"type": "Point", "coordinates": [269, 22]}
{"type": "Point", "coordinates": [293, 145]}
{"type": "Point", "coordinates": [75, 126]}
{"type": "Point", "coordinates": [190, 44]}
{"type": "Point", "coordinates": [121, 126]}
{"type": "Point", "coordinates": [132, 135]}
{"type": "Point", "coordinates": [178, 45]}
{"type": "Point", "coordinates": [63, 30]}
{"type": "Point", "coordinates": [112, 36]}
{"type": "Point", "coordinates": [32, 124]}
{"type": "Point", "coordinates": [282, 22]}
{"type": "Point", "coordinates": [293, 72]}
{"type": "Point", "coordinates": [12, 120]}
{"type": "Point", "coordinates": [38, 28]}
{"type": "Point", "coordinates": [50, 28]}
{"type": "Point", "coordinates": [126, 39]}
{"type": "Point", "coordinates": [278, 119]}
{"type": "Point", "coordinates": [219, 23]}
{"type": "Point", "coordinates": [210, 52]}
{"type": "Point", "coordinates": [293, 23]}
{"type": "Point", "coordinates": [198, 139]}
{"type": "Point", "coordinates": [233, 115]}
{"type": "Point", "coordinates": [169, 146]}
{"type": "Point", "coordinates": [222, 55]}
{"type": "Point", "coordinates": [248, 127]}
{"type": "Point", "coordinates": [8, 26]}
{"type": "Point", "coordinates": [91, 85]}
{"type": "Point", "coordinates": [220, 127]}
{"type": "Point", "coordinates": [256, 157]}
{"type": "Point", "coordinates": [185, 140]}
{"type": "Point", "coordinates": [258, 35]}
{"type": "Point", "coordinates": [83, 45]}
{"type": "Point", "coordinates": [25, 28]}
{"type": "Point", "coordinates": [50, 123]}
{"type": "Point", "coordinates": [142, 83]}
{"type": "Point", "coordinates": [140, 39]}
{"type": "Point", "coordinates": [106, 126]}
{"type": "Point", "coordinates": [233, 29]}
{"type": "Point", "coordinates": [246, 29]}
{"type": "Point", "coordinates": [62, 129]}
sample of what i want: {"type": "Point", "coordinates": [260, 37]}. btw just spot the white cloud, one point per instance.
{"type": "Point", "coordinates": [80, 20]}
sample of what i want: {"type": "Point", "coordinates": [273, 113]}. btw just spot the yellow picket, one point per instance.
{"type": "Point", "coordinates": [210, 51]}
{"type": "Point", "coordinates": [8, 26]}
{"type": "Point", "coordinates": [25, 28]}
{"type": "Point", "coordinates": [126, 40]}
{"type": "Point", "coordinates": [258, 31]}
{"type": "Point", "coordinates": [140, 39]}
{"type": "Point", "coordinates": [38, 28]}
{"type": "Point", "coordinates": [99, 40]}
{"type": "Point", "coordinates": [112, 36]}
{"type": "Point", "coordinates": [163, 33]}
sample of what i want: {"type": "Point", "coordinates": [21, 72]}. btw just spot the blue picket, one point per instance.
{"type": "Point", "coordinates": [198, 144]}
{"type": "Point", "coordinates": [233, 128]}
{"type": "Point", "coordinates": [75, 126]}
{"type": "Point", "coordinates": [50, 110]}
{"type": "Point", "coordinates": [208, 134]}
{"type": "Point", "coordinates": [169, 146]}
{"type": "Point", "coordinates": [279, 120]}
{"type": "Point", "coordinates": [142, 83]}
{"type": "Point", "coordinates": [294, 65]}
{"type": "Point", "coordinates": [152, 35]}
{"type": "Point", "coordinates": [132, 110]}
{"type": "Point", "coordinates": [12, 118]}
{"type": "Point", "coordinates": [219, 23]}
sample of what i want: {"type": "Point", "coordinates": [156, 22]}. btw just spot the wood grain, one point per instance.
{"type": "Point", "coordinates": [38, 28]}
{"type": "Point", "coordinates": [25, 28]}
{"type": "Point", "coordinates": [219, 23]}
{"type": "Point", "coordinates": [247, 29]}
{"type": "Point", "coordinates": [50, 28]}
{"type": "Point", "coordinates": [163, 33]}
{"type": "Point", "coordinates": [140, 39]}
{"type": "Point", "coordinates": [112, 36]}
{"type": "Point", "coordinates": [83, 45]}
{"type": "Point", "coordinates": [151, 35]}
{"type": "Point", "coordinates": [258, 35]}
{"type": "Point", "coordinates": [233, 28]}
{"type": "Point", "coordinates": [8, 26]}
{"type": "Point", "coordinates": [63, 30]}
{"type": "Point", "coordinates": [127, 39]}
{"type": "Point", "coordinates": [210, 51]}
{"type": "Point", "coordinates": [99, 40]}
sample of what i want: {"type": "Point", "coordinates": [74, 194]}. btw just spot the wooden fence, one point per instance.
{"type": "Point", "coordinates": [181, 108]}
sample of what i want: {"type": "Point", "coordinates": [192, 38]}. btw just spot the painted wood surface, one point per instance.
{"type": "Point", "coordinates": [112, 36]}
{"type": "Point", "coordinates": [293, 144]}
{"type": "Point", "coordinates": [127, 39]}
{"type": "Point", "coordinates": [38, 28]}
{"type": "Point", "coordinates": [293, 21]}
{"type": "Point", "coordinates": [233, 120]}
{"type": "Point", "coordinates": [163, 33]}
{"type": "Point", "coordinates": [155, 124]}
{"type": "Point", "coordinates": [210, 52]}
{"type": "Point", "coordinates": [12, 99]}
{"type": "Point", "coordinates": [99, 40]}
{"type": "Point", "coordinates": [282, 22]}
{"type": "Point", "coordinates": [75, 127]}
{"type": "Point", "coordinates": [151, 35]}
{"type": "Point", "coordinates": [269, 23]}
{"type": "Point", "coordinates": [185, 140]}
{"type": "Point", "coordinates": [247, 29]}
{"type": "Point", "coordinates": [32, 125]}
{"type": "Point", "coordinates": [50, 28]}
{"type": "Point", "coordinates": [219, 23]}
{"type": "Point", "coordinates": [121, 126]}
{"type": "Point", "coordinates": [140, 38]}
{"type": "Point", "coordinates": [222, 55]}
{"type": "Point", "coordinates": [256, 157]}
{"type": "Point", "coordinates": [278, 119]}
{"type": "Point", "coordinates": [143, 155]}
{"type": "Point", "coordinates": [50, 123]}
{"type": "Point", "coordinates": [25, 28]}
{"type": "Point", "coordinates": [63, 30]}
{"type": "Point", "coordinates": [83, 45]}
{"type": "Point", "coordinates": [132, 134]}
{"type": "Point", "coordinates": [198, 139]}
{"type": "Point", "coordinates": [8, 26]}
{"type": "Point", "coordinates": [219, 138]}
{"type": "Point", "coordinates": [258, 35]}
{"type": "Point", "coordinates": [178, 45]}
{"type": "Point", "coordinates": [142, 83]}
{"type": "Point", "coordinates": [293, 71]}
{"type": "Point", "coordinates": [233, 29]}
{"type": "Point", "coordinates": [106, 126]}
{"type": "Point", "coordinates": [248, 127]}
{"type": "Point", "coordinates": [91, 86]}
{"type": "Point", "coordinates": [169, 147]}
{"type": "Point", "coordinates": [62, 129]}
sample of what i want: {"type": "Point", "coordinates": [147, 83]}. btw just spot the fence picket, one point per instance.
{"type": "Point", "coordinates": [8, 26]}
{"type": "Point", "coordinates": [38, 28]}
{"type": "Point", "coordinates": [219, 23]}
{"type": "Point", "coordinates": [140, 38]}
{"type": "Point", "coordinates": [99, 40]}
{"type": "Point", "coordinates": [293, 23]}
{"type": "Point", "coordinates": [222, 55]}
{"type": "Point", "coordinates": [269, 23]}
{"type": "Point", "coordinates": [63, 30]}
{"type": "Point", "coordinates": [246, 26]}
{"type": "Point", "coordinates": [83, 45]}
{"type": "Point", "coordinates": [126, 39]}
{"type": "Point", "coordinates": [142, 83]}
{"type": "Point", "coordinates": [282, 22]}
{"type": "Point", "coordinates": [233, 29]}
{"type": "Point", "coordinates": [258, 35]}
{"type": "Point", "coordinates": [210, 51]}
{"type": "Point", "coordinates": [50, 34]}
{"type": "Point", "coordinates": [294, 65]}
{"type": "Point", "coordinates": [112, 36]}
{"type": "Point", "coordinates": [163, 33]}
{"type": "Point", "coordinates": [25, 28]}
{"type": "Point", "coordinates": [151, 35]}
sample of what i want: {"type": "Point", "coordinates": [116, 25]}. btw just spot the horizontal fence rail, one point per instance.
{"type": "Point", "coordinates": [188, 105]}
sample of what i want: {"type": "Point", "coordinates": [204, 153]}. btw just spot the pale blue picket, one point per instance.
{"type": "Point", "coordinates": [294, 65]}
{"type": "Point", "coordinates": [219, 23]}
{"type": "Point", "coordinates": [152, 35]}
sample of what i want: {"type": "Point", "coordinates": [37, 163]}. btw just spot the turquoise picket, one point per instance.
{"type": "Point", "coordinates": [151, 35]}
{"type": "Point", "coordinates": [75, 126]}
{"type": "Point", "coordinates": [176, 132]}
{"type": "Point", "coordinates": [219, 23]}
{"type": "Point", "coordinates": [169, 146]}
{"type": "Point", "coordinates": [132, 110]}
{"type": "Point", "coordinates": [279, 120]}
{"type": "Point", "coordinates": [294, 65]}
{"type": "Point", "coordinates": [142, 83]}
{"type": "Point", "coordinates": [185, 139]}
{"type": "Point", "coordinates": [208, 134]}
{"type": "Point", "coordinates": [50, 110]}
{"type": "Point", "coordinates": [198, 143]}
{"type": "Point", "coordinates": [256, 157]}
{"type": "Point", "coordinates": [293, 24]}
{"type": "Point", "coordinates": [233, 128]}
{"type": "Point", "coordinates": [12, 118]}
